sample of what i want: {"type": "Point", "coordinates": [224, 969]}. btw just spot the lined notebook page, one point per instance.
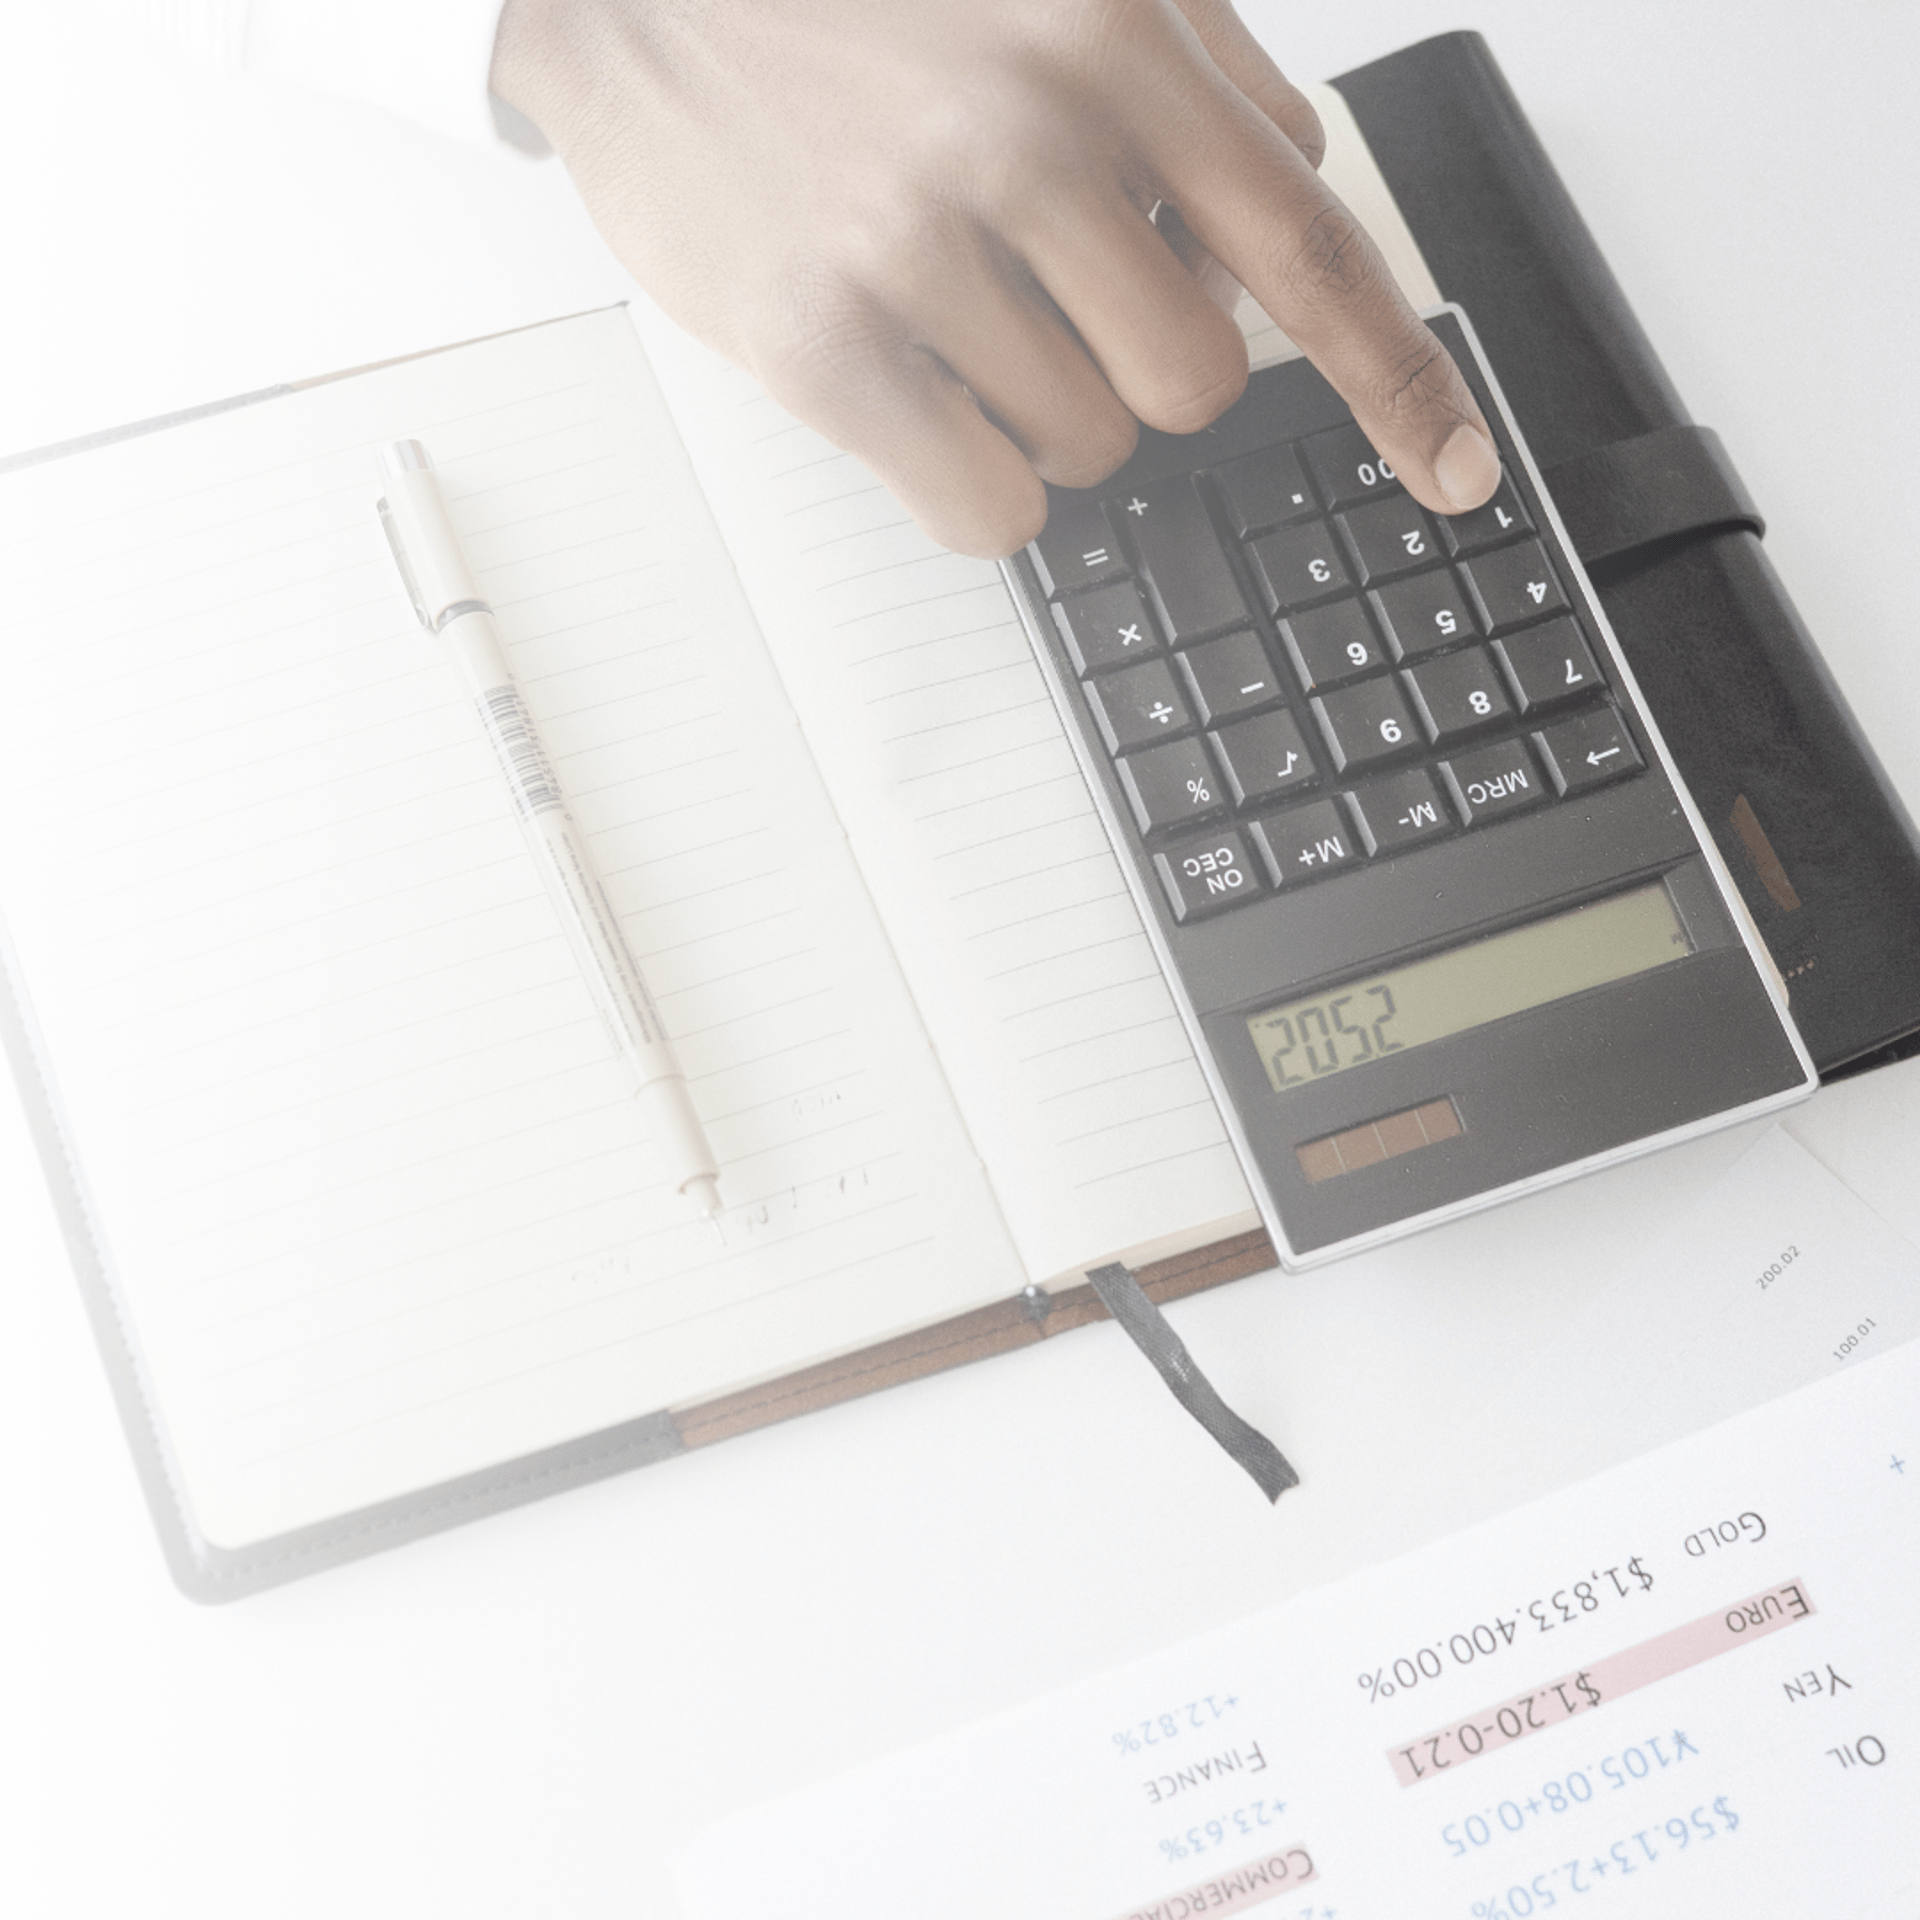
{"type": "Point", "coordinates": [973, 825]}
{"type": "Point", "coordinates": [971, 821]}
{"type": "Point", "coordinates": [368, 1179]}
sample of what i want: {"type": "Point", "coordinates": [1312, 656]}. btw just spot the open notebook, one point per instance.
{"type": "Point", "coordinates": [369, 1222]}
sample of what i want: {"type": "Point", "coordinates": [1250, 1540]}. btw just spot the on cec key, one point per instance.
{"type": "Point", "coordinates": [1207, 873]}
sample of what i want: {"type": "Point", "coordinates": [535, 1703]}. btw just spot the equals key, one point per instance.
{"type": "Point", "coordinates": [1076, 547]}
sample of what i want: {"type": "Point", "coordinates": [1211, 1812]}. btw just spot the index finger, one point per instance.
{"type": "Point", "coordinates": [1257, 205]}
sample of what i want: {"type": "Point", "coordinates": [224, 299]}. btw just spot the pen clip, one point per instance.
{"type": "Point", "coordinates": [392, 530]}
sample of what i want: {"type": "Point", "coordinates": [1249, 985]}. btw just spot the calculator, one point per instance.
{"type": "Point", "coordinates": [1441, 920]}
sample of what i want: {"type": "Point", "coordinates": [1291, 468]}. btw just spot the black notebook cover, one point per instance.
{"type": "Point", "coordinates": [1809, 825]}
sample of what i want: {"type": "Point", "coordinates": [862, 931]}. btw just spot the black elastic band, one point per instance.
{"type": "Point", "coordinates": [1634, 493]}
{"type": "Point", "coordinates": [1146, 1326]}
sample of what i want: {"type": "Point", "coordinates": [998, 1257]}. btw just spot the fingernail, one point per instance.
{"type": "Point", "coordinates": [1468, 469]}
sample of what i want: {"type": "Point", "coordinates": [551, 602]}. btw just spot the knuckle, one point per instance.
{"type": "Point", "coordinates": [1187, 392]}
{"type": "Point", "coordinates": [1334, 259]}
{"type": "Point", "coordinates": [993, 524]}
{"type": "Point", "coordinates": [1012, 530]}
{"type": "Point", "coordinates": [1301, 124]}
{"type": "Point", "coordinates": [815, 337]}
{"type": "Point", "coordinates": [1085, 457]}
{"type": "Point", "coordinates": [1414, 381]}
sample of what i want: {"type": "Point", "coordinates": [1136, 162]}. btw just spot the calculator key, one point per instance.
{"type": "Point", "coordinates": [1171, 786]}
{"type": "Point", "coordinates": [1399, 810]}
{"type": "Point", "coordinates": [1204, 875]}
{"type": "Point", "coordinates": [1267, 489]}
{"type": "Point", "coordinates": [1493, 782]}
{"type": "Point", "coordinates": [1366, 724]}
{"type": "Point", "coordinates": [1347, 468]}
{"type": "Point", "coordinates": [1188, 580]}
{"type": "Point", "coordinates": [1390, 536]}
{"type": "Point", "coordinates": [1109, 627]}
{"type": "Point", "coordinates": [1514, 585]}
{"type": "Point", "coordinates": [1430, 610]}
{"type": "Point", "coordinates": [1299, 565]}
{"type": "Point", "coordinates": [1589, 750]}
{"type": "Point", "coordinates": [1305, 842]}
{"type": "Point", "coordinates": [1076, 547]}
{"type": "Point", "coordinates": [1138, 705]}
{"type": "Point", "coordinates": [1228, 677]}
{"type": "Point", "coordinates": [1333, 643]}
{"type": "Point", "coordinates": [1500, 519]}
{"type": "Point", "coordinates": [1264, 758]}
{"type": "Point", "coordinates": [1548, 665]}
{"type": "Point", "coordinates": [1458, 694]}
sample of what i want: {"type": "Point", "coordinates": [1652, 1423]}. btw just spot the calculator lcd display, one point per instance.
{"type": "Point", "coordinates": [1466, 987]}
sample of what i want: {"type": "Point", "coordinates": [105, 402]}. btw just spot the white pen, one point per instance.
{"type": "Point", "coordinates": [434, 567]}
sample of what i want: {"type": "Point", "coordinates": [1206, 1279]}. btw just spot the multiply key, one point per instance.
{"type": "Point", "coordinates": [1188, 580]}
{"type": "Point", "coordinates": [1108, 627]}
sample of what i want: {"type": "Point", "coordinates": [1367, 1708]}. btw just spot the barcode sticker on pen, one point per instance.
{"type": "Point", "coordinates": [522, 758]}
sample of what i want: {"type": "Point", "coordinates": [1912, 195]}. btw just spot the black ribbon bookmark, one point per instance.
{"type": "Point", "coordinates": [1146, 1326]}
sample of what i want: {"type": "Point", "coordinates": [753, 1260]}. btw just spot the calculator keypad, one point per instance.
{"type": "Point", "coordinates": [1514, 586]}
{"type": "Point", "coordinates": [1549, 665]}
{"type": "Point", "coordinates": [1332, 644]}
{"type": "Point", "coordinates": [1106, 627]}
{"type": "Point", "coordinates": [1265, 757]}
{"type": "Point", "coordinates": [1187, 574]}
{"type": "Point", "coordinates": [1172, 786]}
{"type": "Point", "coordinates": [1138, 706]}
{"type": "Point", "coordinates": [1230, 676]}
{"type": "Point", "coordinates": [1588, 751]}
{"type": "Point", "coordinates": [1299, 671]}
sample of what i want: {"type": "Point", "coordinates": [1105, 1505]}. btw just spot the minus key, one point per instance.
{"type": "Point", "coordinates": [1230, 676]}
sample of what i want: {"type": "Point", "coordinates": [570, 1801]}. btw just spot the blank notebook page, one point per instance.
{"type": "Point", "coordinates": [361, 1164]}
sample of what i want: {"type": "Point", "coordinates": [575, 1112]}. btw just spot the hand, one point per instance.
{"type": "Point", "coordinates": [927, 228]}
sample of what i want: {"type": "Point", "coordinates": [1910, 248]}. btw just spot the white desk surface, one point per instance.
{"type": "Point", "coordinates": [529, 1715]}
